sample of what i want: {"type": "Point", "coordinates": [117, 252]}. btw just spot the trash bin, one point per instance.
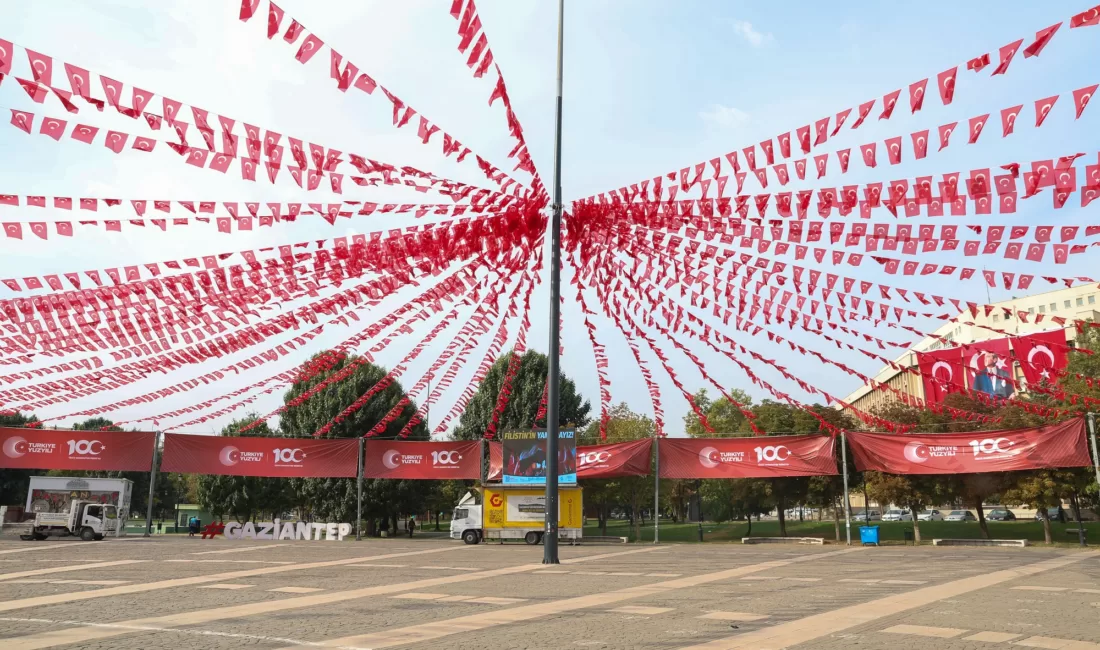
{"type": "Point", "coordinates": [907, 534]}
{"type": "Point", "coordinates": [868, 535]}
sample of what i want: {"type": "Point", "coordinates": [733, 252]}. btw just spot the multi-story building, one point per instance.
{"type": "Point", "coordinates": [1076, 303]}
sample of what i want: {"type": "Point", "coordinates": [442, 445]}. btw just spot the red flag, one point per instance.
{"type": "Point", "coordinates": [864, 111]}
{"type": "Point", "coordinates": [53, 128]}
{"type": "Point", "coordinates": [920, 143]}
{"type": "Point", "coordinates": [1086, 18]}
{"type": "Point", "coordinates": [13, 230]}
{"type": "Point", "coordinates": [22, 120]}
{"type": "Point", "coordinates": [1042, 37]}
{"type": "Point", "coordinates": [840, 117]}
{"type": "Point", "coordinates": [946, 80]}
{"type": "Point", "coordinates": [941, 373]}
{"type": "Point", "coordinates": [1081, 98]}
{"type": "Point", "coordinates": [976, 126]}
{"type": "Point", "coordinates": [1007, 52]}
{"type": "Point", "coordinates": [803, 134]}
{"type": "Point", "coordinates": [888, 102]}
{"type": "Point", "coordinates": [310, 46]}
{"type": "Point", "coordinates": [893, 150]}
{"type": "Point", "coordinates": [916, 94]}
{"type": "Point", "coordinates": [1008, 120]}
{"type": "Point", "coordinates": [7, 53]}
{"type": "Point", "coordinates": [41, 67]}
{"type": "Point", "coordinates": [1042, 109]}
{"type": "Point", "coordinates": [868, 151]}
{"type": "Point", "coordinates": [1042, 356]}
{"type": "Point", "coordinates": [977, 63]}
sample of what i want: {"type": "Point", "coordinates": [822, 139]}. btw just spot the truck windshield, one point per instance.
{"type": "Point", "coordinates": [461, 513]}
{"type": "Point", "coordinates": [109, 512]}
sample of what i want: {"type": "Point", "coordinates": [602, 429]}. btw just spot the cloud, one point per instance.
{"type": "Point", "coordinates": [724, 117]}
{"type": "Point", "coordinates": [745, 29]}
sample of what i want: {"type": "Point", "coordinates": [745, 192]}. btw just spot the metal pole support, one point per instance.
{"type": "Point", "coordinates": [847, 505]}
{"type": "Point", "coordinates": [657, 490]}
{"type": "Point", "coordinates": [359, 482]}
{"type": "Point", "coordinates": [152, 486]}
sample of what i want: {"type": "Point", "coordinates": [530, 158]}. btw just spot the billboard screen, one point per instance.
{"type": "Point", "coordinates": [525, 457]}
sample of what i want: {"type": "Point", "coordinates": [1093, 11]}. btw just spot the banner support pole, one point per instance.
{"type": "Point", "coordinates": [656, 489]}
{"type": "Point", "coordinates": [152, 486]}
{"type": "Point", "coordinates": [1095, 455]}
{"type": "Point", "coordinates": [359, 481]}
{"type": "Point", "coordinates": [847, 507]}
{"type": "Point", "coordinates": [484, 461]}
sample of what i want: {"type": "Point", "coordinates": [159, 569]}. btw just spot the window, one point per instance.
{"type": "Point", "coordinates": [1066, 304]}
{"type": "Point", "coordinates": [996, 319]}
{"type": "Point", "coordinates": [1042, 309]}
{"type": "Point", "coordinates": [1054, 306]}
{"type": "Point", "coordinates": [1092, 300]}
{"type": "Point", "coordinates": [1080, 302]}
{"type": "Point", "coordinates": [1031, 310]}
{"type": "Point", "coordinates": [461, 513]}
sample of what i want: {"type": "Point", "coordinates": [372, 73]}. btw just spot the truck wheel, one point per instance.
{"type": "Point", "coordinates": [532, 538]}
{"type": "Point", "coordinates": [471, 537]}
{"type": "Point", "coordinates": [87, 534]}
{"type": "Point", "coordinates": [98, 537]}
{"type": "Point", "coordinates": [40, 537]}
{"type": "Point", "coordinates": [26, 538]}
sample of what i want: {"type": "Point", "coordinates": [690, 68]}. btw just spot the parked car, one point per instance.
{"type": "Point", "coordinates": [1056, 514]}
{"type": "Point", "coordinates": [960, 515]}
{"type": "Point", "coordinates": [930, 515]}
{"type": "Point", "coordinates": [897, 515]}
{"type": "Point", "coordinates": [868, 515]}
{"type": "Point", "coordinates": [1000, 514]}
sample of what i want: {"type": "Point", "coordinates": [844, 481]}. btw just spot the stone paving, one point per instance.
{"type": "Point", "coordinates": [435, 593]}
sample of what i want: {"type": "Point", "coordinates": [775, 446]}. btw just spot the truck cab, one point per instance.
{"type": "Point", "coordinates": [88, 520]}
{"type": "Point", "coordinates": [466, 519]}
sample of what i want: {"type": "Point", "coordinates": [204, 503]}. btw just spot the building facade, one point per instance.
{"type": "Point", "coordinates": [1076, 303]}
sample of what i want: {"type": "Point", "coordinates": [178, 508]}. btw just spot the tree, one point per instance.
{"type": "Point", "coordinates": [635, 492]}
{"type": "Point", "coordinates": [15, 482]}
{"type": "Point", "coordinates": [1040, 489]}
{"type": "Point", "coordinates": [336, 499]}
{"type": "Point", "coordinates": [523, 404]}
{"type": "Point", "coordinates": [913, 492]}
{"type": "Point", "coordinates": [242, 497]}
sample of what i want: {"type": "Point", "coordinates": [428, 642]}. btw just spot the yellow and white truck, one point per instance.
{"type": "Point", "coordinates": [500, 512]}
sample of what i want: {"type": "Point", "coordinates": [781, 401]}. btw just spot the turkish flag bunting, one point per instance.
{"type": "Point", "coordinates": [1051, 446]}
{"type": "Point", "coordinates": [942, 373]}
{"type": "Point", "coordinates": [750, 457]}
{"type": "Point", "coordinates": [946, 80]}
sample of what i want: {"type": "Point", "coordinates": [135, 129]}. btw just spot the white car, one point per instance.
{"type": "Point", "coordinates": [897, 515]}
{"type": "Point", "coordinates": [868, 515]}
{"type": "Point", "coordinates": [960, 515]}
{"type": "Point", "coordinates": [930, 515]}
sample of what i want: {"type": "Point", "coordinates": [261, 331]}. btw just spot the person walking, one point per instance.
{"type": "Point", "coordinates": [412, 524]}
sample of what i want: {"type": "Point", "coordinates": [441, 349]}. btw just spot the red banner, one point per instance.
{"type": "Point", "coordinates": [126, 451]}
{"type": "Point", "coordinates": [618, 459]}
{"type": "Point", "coordinates": [1042, 356]}
{"type": "Point", "coordinates": [422, 460]}
{"type": "Point", "coordinates": [243, 456]}
{"type": "Point", "coordinates": [755, 457]}
{"type": "Point", "coordinates": [1055, 445]}
{"type": "Point", "coordinates": [942, 373]}
{"type": "Point", "coordinates": [593, 461]}
{"type": "Point", "coordinates": [989, 367]}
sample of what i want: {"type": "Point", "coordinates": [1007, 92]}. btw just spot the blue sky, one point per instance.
{"type": "Point", "coordinates": [649, 87]}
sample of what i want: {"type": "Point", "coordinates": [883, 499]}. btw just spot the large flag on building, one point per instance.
{"type": "Point", "coordinates": [989, 367]}
{"type": "Point", "coordinates": [1042, 356]}
{"type": "Point", "coordinates": [942, 373]}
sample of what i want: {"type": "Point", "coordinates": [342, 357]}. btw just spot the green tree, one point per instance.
{"type": "Point", "coordinates": [912, 492]}
{"type": "Point", "coordinates": [1040, 489]}
{"type": "Point", "coordinates": [336, 499]}
{"type": "Point", "coordinates": [523, 404]}
{"type": "Point", "coordinates": [633, 492]}
{"type": "Point", "coordinates": [15, 482]}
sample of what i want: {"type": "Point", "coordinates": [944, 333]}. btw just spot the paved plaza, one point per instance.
{"type": "Point", "coordinates": [435, 593]}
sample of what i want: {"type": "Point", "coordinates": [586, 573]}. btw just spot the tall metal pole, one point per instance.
{"type": "Point", "coordinates": [656, 490]}
{"type": "Point", "coordinates": [844, 471]}
{"type": "Point", "coordinates": [550, 539]}
{"type": "Point", "coordinates": [1095, 454]}
{"type": "Point", "coordinates": [152, 486]}
{"type": "Point", "coordinates": [359, 482]}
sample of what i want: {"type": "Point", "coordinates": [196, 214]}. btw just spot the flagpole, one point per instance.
{"type": "Point", "coordinates": [1095, 454]}
{"type": "Point", "coordinates": [550, 539]}
{"type": "Point", "coordinates": [844, 471]}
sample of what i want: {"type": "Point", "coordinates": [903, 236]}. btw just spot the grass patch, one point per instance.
{"type": "Point", "coordinates": [888, 531]}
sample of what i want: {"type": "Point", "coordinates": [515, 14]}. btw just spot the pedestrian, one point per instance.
{"type": "Point", "coordinates": [192, 526]}
{"type": "Point", "coordinates": [412, 524]}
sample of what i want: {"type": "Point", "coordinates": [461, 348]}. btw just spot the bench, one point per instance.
{"type": "Point", "coordinates": [597, 539]}
{"type": "Point", "coordinates": [782, 540]}
{"type": "Point", "coordinates": [1073, 531]}
{"type": "Point", "coordinates": [980, 542]}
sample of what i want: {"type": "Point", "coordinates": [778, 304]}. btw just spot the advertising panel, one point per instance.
{"type": "Point", "coordinates": [126, 451]}
{"type": "Point", "coordinates": [755, 457]}
{"type": "Point", "coordinates": [525, 457]}
{"type": "Point", "coordinates": [422, 460]}
{"type": "Point", "coordinates": [277, 457]}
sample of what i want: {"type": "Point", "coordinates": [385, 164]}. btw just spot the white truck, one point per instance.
{"type": "Point", "coordinates": [501, 512]}
{"type": "Point", "coordinates": [87, 520]}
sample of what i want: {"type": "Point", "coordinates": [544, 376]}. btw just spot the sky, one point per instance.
{"type": "Point", "coordinates": [649, 87]}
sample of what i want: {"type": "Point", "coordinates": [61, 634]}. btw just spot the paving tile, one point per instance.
{"type": "Point", "coordinates": [732, 616]}
{"type": "Point", "coordinates": [296, 590]}
{"type": "Point", "coordinates": [644, 611]}
{"type": "Point", "coordinates": [904, 582]}
{"type": "Point", "coordinates": [992, 637]}
{"type": "Point", "coordinates": [663, 575]}
{"type": "Point", "coordinates": [924, 630]}
{"type": "Point", "coordinates": [493, 600]}
{"type": "Point", "coordinates": [225, 585]}
{"type": "Point", "coordinates": [455, 599]}
{"type": "Point", "coordinates": [382, 566]}
{"type": "Point", "coordinates": [412, 595]}
{"type": "Point", "coordinates": [760, 578]}
{"type": "Point", "coordinates": [624, 573]}
{"type": "Point", "coordinates": [1037, 588]}
{"type": "Point", "coordinates": [538, 573]}
{"type": "Point", "coordinates": [1051, 643]}
{"type": "Point", "coordinates": [863, 581]}
{"type": "Point", "coordinates": [1087, 591]}
{"type": "Point", "coordinates": [590, 573]}
{"type": "Point", "coordinates": [804, 579]}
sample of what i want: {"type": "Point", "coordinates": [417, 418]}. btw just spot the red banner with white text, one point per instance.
{"type": "Point", "coordinates": [755, 457]}
{"type": "Point", "coordinates": [1055, 445]}
{"type": "Point", "coordinates": [277, 457]}
{"type": "Point", "coordinates": [422, 460]}
{"type": "Point", "coordinates": [593, 461]}
{"type": "Point", "coordinates": [126, 451]}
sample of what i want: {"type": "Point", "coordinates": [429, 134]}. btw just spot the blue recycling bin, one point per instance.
{"type": "Point", "coordinates": [868, 535]}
